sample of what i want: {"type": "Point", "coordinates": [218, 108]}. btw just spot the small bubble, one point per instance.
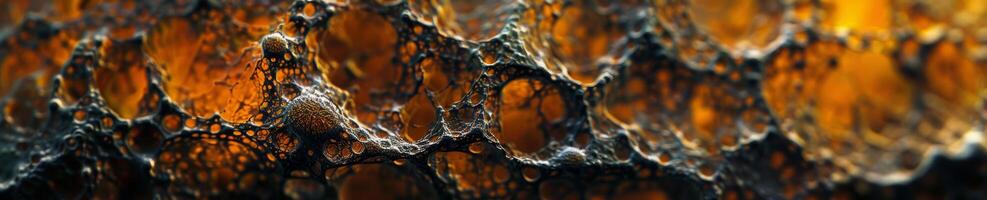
{"type": "Point", "coordinates": [357, 148]}
{"type": "Point", "coordinates": [663, 158]}
{"type": "Point", "coordinates": [309, 10]}
{"type": "Point", "coordinates": [145, 139]}
{"type": "Point", "coordinates": [476, 147]}
{"type": "Point", "coordinates": [707, 171]}
{"type": "Point", "coordinates": [215, 128]}
{"type": "Point", "coordinates": [107, 122]}
{"type": "Point", "coordinates": [400, 162]}
{"type": "Point", "coordinates": [531, 174]}
{"type": "Point", "coordinates": [190, 122]}
{"type": "Point", "coordinates": [79, 115]}
{"type": "Point", "coordinates": [171, 122]}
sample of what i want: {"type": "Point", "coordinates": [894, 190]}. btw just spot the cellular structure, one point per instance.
{"type": "Point", "coordinates": [493, 99]}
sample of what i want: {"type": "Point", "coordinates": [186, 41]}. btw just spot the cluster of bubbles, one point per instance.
{"type": "Point", "coordinates": [567, 99]}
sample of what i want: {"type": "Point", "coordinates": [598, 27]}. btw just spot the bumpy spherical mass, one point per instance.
{"type": "Point", "coordinates": [570, 155]}
{"type": "Point", "coordinates": [274, 46]}
{"type": "Point", "coordinates": [313, 118]}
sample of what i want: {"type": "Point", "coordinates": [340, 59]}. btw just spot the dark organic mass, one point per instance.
{"type": "Point", "coordinates": [493, 99]}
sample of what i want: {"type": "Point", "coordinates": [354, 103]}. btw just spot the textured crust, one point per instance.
{"type": "Point", "coordinates": [566, 99]}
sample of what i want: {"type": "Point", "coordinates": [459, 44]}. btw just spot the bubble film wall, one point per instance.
{"type": "Point", "coordinates": [493, 99]}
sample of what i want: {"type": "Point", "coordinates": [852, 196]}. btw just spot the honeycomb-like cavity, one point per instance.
{"type": "Point", "coordinates": [493, 99]}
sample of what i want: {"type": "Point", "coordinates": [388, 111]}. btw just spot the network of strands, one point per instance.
{"type": "Point", "coordinates": [503, 99]}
